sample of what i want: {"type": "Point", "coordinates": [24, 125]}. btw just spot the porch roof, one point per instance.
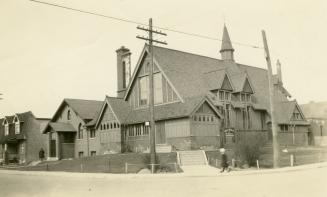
{"type": "Point", "coordinates": [62, 127]}
{"type": "Point", "coordinates": [12, 138]}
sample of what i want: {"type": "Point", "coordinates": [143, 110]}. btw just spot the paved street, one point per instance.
{"type": "Point", "coordinates": [304, 182]}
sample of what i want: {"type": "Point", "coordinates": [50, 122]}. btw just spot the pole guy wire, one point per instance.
{"type": "Point", "coordinates": [143, 24]}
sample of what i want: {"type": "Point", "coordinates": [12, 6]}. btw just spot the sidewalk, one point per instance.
{"type": "Point", "coordinates": [189, 171]}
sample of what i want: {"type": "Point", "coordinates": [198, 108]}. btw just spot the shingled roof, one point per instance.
{"type": "Point", "coordinates": [284, 111]}
{"type": "Point", "coordinates": [315, 110]}
{"type": "Point", "coordinates": [23, 117]}
{"type": "Point", "coordinates": [189, 74]}
{"type": "Point", "coordinates": [174, 110]}
{"type": "Point", "coordinates": [120, 108]}
{"type": "Point", "coordinates": [86, 109]}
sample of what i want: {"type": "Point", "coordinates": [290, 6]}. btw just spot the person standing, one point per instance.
{"type": "Point", "coordinates": [41, 154]}
{"type": "Point", "coordinates": [6, 157]}
{"type": "Point", "coordinates": [224, 163]}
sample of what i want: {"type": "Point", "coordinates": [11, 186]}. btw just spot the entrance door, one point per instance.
{"type": "Point", "coordinates": [53, 152]}
{"type": "Point", "coordinates": [160, 133]}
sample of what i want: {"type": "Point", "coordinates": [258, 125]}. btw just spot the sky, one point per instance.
{"type": "Point", "coordinates": [48, 53]}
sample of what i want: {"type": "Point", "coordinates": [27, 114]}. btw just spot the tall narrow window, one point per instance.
{"type": "Point", "coordinates": [244, 118]}
{"type": "Point", "coordinates": [224, 95]}
{"type": "Point", "coordinates": [157, 79]}
{"type": "Point", "coordinates": [80, 131]}
{"type": "Point", "coordinates": [248, 117]}
{"type": "Point", "coordinates": [227, 115]}
{"type": "Point", "coordinates": [69, 115]}
{"type": "Point", "coordinates": [221, 95]}
{"type": "Point", "coordinates": [127, 71]}
{"type": "Point", "coordinates": [6, 127]}
{"type": "Point", "coordinates": [17, 126]}
{"type": "Point", "coordinates": [92, 133]}
{"type": "Point", "coordinates": [124, 74]}
{"type": "Point", "coordinates": [263, 121]}
{"type": "Point", "coordinates": [144, 90]}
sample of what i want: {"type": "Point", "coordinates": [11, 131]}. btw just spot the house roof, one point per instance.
{"type": "Point", "coordinates": [190, 74]}
{"type": "Point", "coordinates": [62, 127]}
{"type": "Point", "coordinates": [214, 79]}
{"type": "Point", "coordinates": [119, 106]}
{"type": "Point", "coordinates": [23, 117]}
{"type": "Point", "coordinates": [193, 75]}
{"type": "Point", "coordinates": [284, 111]}
{"type": "Point", "coordinates": [9, 119]}
{"type": "Point", "coordinates": [86, 109]}
{"type": "Point", "coordinates": [315, 110]}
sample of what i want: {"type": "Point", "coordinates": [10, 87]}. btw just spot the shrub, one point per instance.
{"type": "Point", "coordinates": [248, 148]}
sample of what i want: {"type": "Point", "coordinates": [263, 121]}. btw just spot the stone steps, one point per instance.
{"type": "Point", "coordinates": [192, 158]}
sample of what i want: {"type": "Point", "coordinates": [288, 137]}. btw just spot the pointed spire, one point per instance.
{"type": "Point", "coordinates": [226, 44]}
{"type": "Point", "coordinates": [227, 49]}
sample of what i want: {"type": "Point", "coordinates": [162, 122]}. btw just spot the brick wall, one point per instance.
{"type": "Point", "coordinates": [205, 142]}
{"type": "Point", "coordinates": [286, 138]}
{"type": "Point", "coordinates": [180, 143]}
{"type": "Point", "coordinates": [35, 138]}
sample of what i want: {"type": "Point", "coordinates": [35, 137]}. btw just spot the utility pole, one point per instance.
{"type": "Point", "coordinates": [150, 40]}
{"type": "Point", "coordinates": [272, 104]}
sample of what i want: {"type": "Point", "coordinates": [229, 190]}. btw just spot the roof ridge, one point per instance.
{"type": "Point", "coordinates": [114, 97]}
{"type": "Point", "coordinates": [221, 69]}
{"type": "Point", "coordinates": [190, 53]}
{"type": "Point", "coordinates": [187, 52]}
{"type": "Point", "coordinates": [81, 99]}
{"type": "Point", "coordinates": [240, 64]}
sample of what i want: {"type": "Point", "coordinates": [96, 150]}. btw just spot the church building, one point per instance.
{"type": "Point", "coordinates": [199, 103]}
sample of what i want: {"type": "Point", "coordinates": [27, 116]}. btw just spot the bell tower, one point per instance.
{"type": "Point", "coordinates": [123, 70]}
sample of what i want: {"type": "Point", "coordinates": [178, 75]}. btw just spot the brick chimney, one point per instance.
{"type": "Point", "coordinates": [123, 70]}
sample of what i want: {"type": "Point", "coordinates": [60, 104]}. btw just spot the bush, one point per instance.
{"type": "Point", "coordinates": [248, 148]}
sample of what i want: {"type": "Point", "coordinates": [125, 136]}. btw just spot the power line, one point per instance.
{"type": "Point", "coordinates": [139, 23]}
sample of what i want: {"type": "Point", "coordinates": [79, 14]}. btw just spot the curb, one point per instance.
{"type": "Point", "coordinates": [179, 175]}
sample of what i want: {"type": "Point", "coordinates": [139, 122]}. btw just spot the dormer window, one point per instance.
{"type": "Point", "coordinates": [297, 116]}
{"type": "Point", "coordinates": [17, 125]}
{"type": "Point", "coordinates": [245, 97]}
{"type": "Point", "coordinates": [6, 124]}
{"type": "Point", "coordinates": [224, 95]}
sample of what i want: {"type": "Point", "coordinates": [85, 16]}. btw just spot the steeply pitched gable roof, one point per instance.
{"type": "Point", "coordinates": [194, 75]}
{"type": "Point", "coordinates": [217, 79]}
{"type": "Point", "coordinates": [119, 106]}
{"type": "Point", "coordinates": [284, 112]}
